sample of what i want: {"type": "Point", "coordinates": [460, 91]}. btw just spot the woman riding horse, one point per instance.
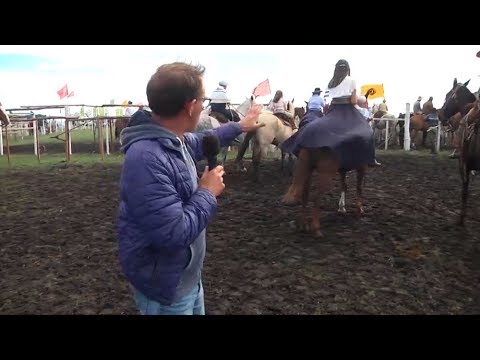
{"type": "Point", "coordinates": [279, 108]}
{"type": "Point", "coordinates": [341, 140]}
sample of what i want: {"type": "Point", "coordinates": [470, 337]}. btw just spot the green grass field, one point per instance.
{"type": "Point", "coordinates": [83, 139]}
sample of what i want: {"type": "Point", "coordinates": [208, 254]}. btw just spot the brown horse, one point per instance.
{"type": "Point", "coordinates": [461, 100]}
{"type": "Point", "coordinates": [324, 162]}
{"type": "Point", "coordinates": [300, 112]}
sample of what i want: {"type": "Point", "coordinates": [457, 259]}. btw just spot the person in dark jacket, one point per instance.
{"type": "Point", "coordinates": [164, 207]}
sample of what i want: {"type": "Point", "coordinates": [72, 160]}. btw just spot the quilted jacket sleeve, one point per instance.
{"type": "Point", "coordinates": [225, 133]}
{"type": "Point", "coordinates": [156, 206]}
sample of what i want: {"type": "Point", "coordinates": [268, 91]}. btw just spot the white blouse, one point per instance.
{"type": "Point", "coordinates": [345, 88]}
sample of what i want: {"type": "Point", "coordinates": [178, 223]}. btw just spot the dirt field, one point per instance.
{"type": "Point", "coordinates": [58, 249]}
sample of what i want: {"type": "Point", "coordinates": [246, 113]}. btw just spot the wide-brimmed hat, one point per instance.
{"type": "Point", "coordinates": [316, 91]}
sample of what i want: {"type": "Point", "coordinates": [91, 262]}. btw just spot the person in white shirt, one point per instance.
{"type": "Point", "coordinates": [219, 101]}
{"type": "Point", "coordinates": [362, 106]}
{"type": "Point", "coordinates": [342, 129]}
{"type": "Point", "coordinates": [130, 110]}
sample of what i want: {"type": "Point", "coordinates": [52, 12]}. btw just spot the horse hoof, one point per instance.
{"type": "Point", "coordinates": [360, 211]}
{"type": "Point", "coordinates": [460, 222]}
{"type": "Point", "coordinates": [342, 211]}
{"type": "Point", "coordinates": [318, 234]}
{"type": "Point", "coordinates": [290, 201]}
{"type": "Point", "coordinates": [301, 226]}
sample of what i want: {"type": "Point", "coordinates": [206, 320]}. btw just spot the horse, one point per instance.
{"type": "Point", "coordinates": [275, 131]}
{"type": "Point", "coordinates": [418, 122]}
{"type": "Point", "coordinates": [120, 124]}
{"type": "Point", "coordinates": [208, 122]}
{"type": "Point", "coordinates": [299, 112]}
{"type": "Point", "coordinates": [381, 125]}
{"type": "Point", "coordinates": [324, 162]}
{"type": "Point", "coordinates": [4, 118]}
{"type": "Point", "coordinates": [461, 100]}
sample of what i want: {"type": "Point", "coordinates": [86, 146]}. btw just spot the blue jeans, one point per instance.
{"type": "Point", "coordinates": [191, 304]}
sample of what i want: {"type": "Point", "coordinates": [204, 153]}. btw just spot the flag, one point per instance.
{"type": "Point", "coordinates": [374, 91]}
{"type": "Point", "coordinates": [71, 94]}
{"type": "Point", "coordinates": [262, 89]}
{"type": "Point", "coordinates": [125, 103]}
{"type": "Point", "coordinates": [63, 92]}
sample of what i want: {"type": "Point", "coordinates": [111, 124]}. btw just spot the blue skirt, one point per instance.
{"type": "Point", "coordinates": [344, 130]}
{"type": "Point", "coordinates": [309, 117]}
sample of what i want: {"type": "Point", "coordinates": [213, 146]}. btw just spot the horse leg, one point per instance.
{"type": "Point", "coordinates": [361, 171]}
{"type": "Point", "coordinates": [302, 222]}
{"type": "Point", "coordinates": [259, 151]}
{"type": "Point", "coordinates": [343, 186]}
{"type": "Point", "coordinates": [465, 175]}
{"type": "Point", "coordinates": [326, 167]}
{"type": "Point", "coordinates": [301, 175]}
{"type": "Point", "coordinates": [242, 149]}
{"type": "Point", "coordinates": [224, 153]}
{"type": "Point", "coordinates": [283, 160]}
{"type": "Point", "coordinates": [424, 137]}
{"type": "Point", "coordinates": [290, 164]}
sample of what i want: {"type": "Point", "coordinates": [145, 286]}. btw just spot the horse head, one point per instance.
{"type": "Point", "coordinates": [243, 108]}
{"type": "Point", "coordinates": [456, 100]}
{"type": "Point", "coordinates": [300, 112]}
{"type": "Point", "coordinates": [291, 107]}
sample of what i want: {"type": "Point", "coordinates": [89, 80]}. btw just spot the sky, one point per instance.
{"type": "Point", "coordinates": [32, 74]}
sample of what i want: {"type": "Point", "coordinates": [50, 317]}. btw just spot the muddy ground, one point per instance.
{"type": "Point", "coordinates": [58, 250]}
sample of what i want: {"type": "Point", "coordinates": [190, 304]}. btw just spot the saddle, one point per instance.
{"type": "Point", "coordinates": [222, 119]}
{"type": "Point", "coordinates": [286, 120]}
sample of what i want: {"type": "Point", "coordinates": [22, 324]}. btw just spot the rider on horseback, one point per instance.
{"type": "Point", "coordinates": [362, 106]}
{"type": "Point", "coordinates": [417, 107]}
{"type": "Point", "coordinates": [219, 101]}
{"type": "Point", "coordinates": [382, 110]}
{"type": "Point", "coordinates": [279, 108]}
{"type": "Point", "coordinates": [427, 106]}
{"type": "Point", "coordinates": [316, 102]}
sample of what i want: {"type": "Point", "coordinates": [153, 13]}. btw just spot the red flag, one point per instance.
{"type": "Point", "coordinates": [63, 92]}
{"type": "Point", "coordinates": [71, 94]}
{"type": "Point", "coordinates": [262, 89]}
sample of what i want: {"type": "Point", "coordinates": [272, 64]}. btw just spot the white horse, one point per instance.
{"type": "Point", "coordinates": [274, 132]}
{"type": "Point", "coordinates": [208, 122]}
{"type": "Point", "coordinates": [379, 128]}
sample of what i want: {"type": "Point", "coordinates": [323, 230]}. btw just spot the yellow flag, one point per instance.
{"type": "Point", "coordinates": [375, 91]}
{"type": "Point", "coordinates": [125, 103]}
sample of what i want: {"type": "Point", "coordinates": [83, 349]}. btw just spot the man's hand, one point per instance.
{"type": "Point", "coordinates": [249, 122]}
{"type": "Point", "coordinates": [213, 180]}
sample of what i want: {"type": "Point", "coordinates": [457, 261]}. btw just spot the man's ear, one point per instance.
{"type": "Point", "coordinates": [189, 106]}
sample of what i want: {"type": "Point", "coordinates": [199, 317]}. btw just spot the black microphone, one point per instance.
{"type": "Point", "coordinates": [211, 148]}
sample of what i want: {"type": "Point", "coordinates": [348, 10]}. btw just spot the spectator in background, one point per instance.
{"type": "Point", "coordinates": [417, 107]}
{"type": "Point", "coordinates": [130, 109]}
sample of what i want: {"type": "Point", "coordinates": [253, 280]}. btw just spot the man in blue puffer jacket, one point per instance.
{"type": "Point", "coordinates": [164, 207]}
